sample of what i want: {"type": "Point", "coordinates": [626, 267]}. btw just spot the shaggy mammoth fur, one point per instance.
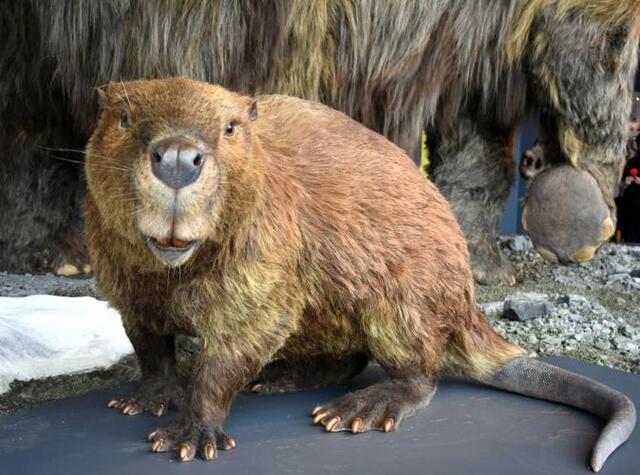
{"type": "Point", "coordinates": [466, 70]}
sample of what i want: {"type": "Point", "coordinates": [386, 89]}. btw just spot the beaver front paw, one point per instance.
{"type": "Point", "coordinates": [566, 215]}
{"type": "Point", "coordinates": [186, 436]}
{"type": "Point", "coordinates": [154, 395]}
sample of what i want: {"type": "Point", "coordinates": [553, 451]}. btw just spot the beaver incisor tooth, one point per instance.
{"type": "Point", "coordinates": [179, 243]}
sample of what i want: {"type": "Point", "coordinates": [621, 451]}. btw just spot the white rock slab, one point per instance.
{"type": "Point", "coordinates": [46, 335]}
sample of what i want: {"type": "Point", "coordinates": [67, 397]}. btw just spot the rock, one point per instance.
{"type": "Point", "coordinates": [574, 301]}
{"type": "Point", "coordinates": [599, 310]}
{"type": "Point", "coordinates": [520, 243]}
{"type": "Point", "coordinates": [629, 331]}
{"type": "Point", "coordinates": [529, 296]}
{"type": "Point", "coordinates": [491, 309]}
{"type": "Point", "coordinates": [616, 277]}
{"type": "Point", "coordinates": [619, 269]}
{"type": "Point", "coordinates": [522, 310]}
{"type": "Point", "coordinates": [553, 341]}
{"type": "Point", "coordinates": [632, 250]}
{"type": "Point", "coordinates": [627, 346]}
{"type": "Point", "coordinates": [602, 344]}
{"type": "Point", "coordinates": [22, 285]}
{"type": "Point", "coordinates": [635, 273]}
{"type": "Point", "coordinates": [523, 306]}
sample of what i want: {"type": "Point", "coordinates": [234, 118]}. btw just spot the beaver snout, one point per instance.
{"type": "Point", "coordinates": [177, 161]}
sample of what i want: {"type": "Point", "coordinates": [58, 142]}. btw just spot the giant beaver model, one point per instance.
{"type": "Point", "coordinates": [472, 69]}
{"type": "Point", "coordinates": [252, 224]}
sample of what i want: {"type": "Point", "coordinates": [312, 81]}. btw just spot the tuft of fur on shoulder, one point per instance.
{"type": "Point", "coordinates": [612, 12]}
{"type": "Point", "coordinates": [609, 12]}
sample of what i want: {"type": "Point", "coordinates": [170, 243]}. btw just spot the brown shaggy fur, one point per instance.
{"type": "Point", "coordinates": [303, 251]}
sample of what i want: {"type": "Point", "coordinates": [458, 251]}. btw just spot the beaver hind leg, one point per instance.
{"type": "Point", "coordinates": [410, 353]}
{"type": "Point", "coordinates": [381, 406]}
{"type": "Point", "coordinates": [298, 374]}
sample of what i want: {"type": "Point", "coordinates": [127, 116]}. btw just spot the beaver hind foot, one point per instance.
{"type": "Point", "coordinates": [381, 406]}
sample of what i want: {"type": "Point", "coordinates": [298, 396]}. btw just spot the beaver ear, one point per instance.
{"type": "Point", "coordinates": [253, 111]}
{"type": "Point", "coordinates": [101, 98]}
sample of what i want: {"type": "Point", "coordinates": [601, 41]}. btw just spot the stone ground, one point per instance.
{"type": "Point", "coordinates": [589, 311]}
{"type": "Point", "coordinates": [593, 308]}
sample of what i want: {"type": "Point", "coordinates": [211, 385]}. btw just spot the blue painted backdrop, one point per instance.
{"type": "Point", "coordinates": [525, 138]}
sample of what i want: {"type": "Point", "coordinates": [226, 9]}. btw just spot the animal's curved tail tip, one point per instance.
{"type": "Point", "coordinates": [615, 433]}
{"type": "Point", "coordinates": [541, 380]}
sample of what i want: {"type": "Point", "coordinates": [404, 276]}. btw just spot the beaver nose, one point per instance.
{"type": "Point", "coordinates": [176, 161]}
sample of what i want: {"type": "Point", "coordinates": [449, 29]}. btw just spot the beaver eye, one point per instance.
{"type": "Point", "coordinates": [124, 120]}
{"type": "Point", "coordinates": [230, 129]}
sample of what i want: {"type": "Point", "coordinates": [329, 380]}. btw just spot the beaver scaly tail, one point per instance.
{"type": "Point", "coordinates": [477, 351]}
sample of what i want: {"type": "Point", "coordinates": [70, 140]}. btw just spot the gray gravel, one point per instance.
{"type": "Point", "coordinates": [593, 309]}
{"type": "Point", "coordinates": [21, 285]}
{"type": "Point", "coordinates": [586, 311]}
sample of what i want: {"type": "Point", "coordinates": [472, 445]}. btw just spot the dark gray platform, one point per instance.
{"type": "Point", "coordinates": [466, 430]}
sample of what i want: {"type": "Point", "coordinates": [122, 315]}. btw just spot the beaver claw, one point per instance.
{"type": "Point", "coordinates": [154, 395]}
{"type": "Point", "coordinates": [361, 411]}
{"type": "Point", "coordinates": [188, 437]}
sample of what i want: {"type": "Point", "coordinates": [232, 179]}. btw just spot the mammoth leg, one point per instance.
{"type": "Point", "coordinates": [37, 183]}
{"type": "Point", "coordinates": [474, 169]}
{"type": "Point", "coordinates": [74, 257]}
{"type": "Point", "coordinates": [36, 196]}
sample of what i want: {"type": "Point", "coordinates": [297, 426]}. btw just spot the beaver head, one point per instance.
{"type": "Point", "coordinates": [167, 160]}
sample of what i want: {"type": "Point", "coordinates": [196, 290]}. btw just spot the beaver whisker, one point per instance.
{"type": "Point", "coordinates": [136, 211]}
{"type": "Point", "coordinates": [80, 162]}
{"type": "Point", "coordinates": [103, 165]}
{"type": "Point", "coordinates": [73, 150]}
{"type": "Point", "coordinates": [124, 88]}
{"type": "Point", "coordinates": [125, 199]}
